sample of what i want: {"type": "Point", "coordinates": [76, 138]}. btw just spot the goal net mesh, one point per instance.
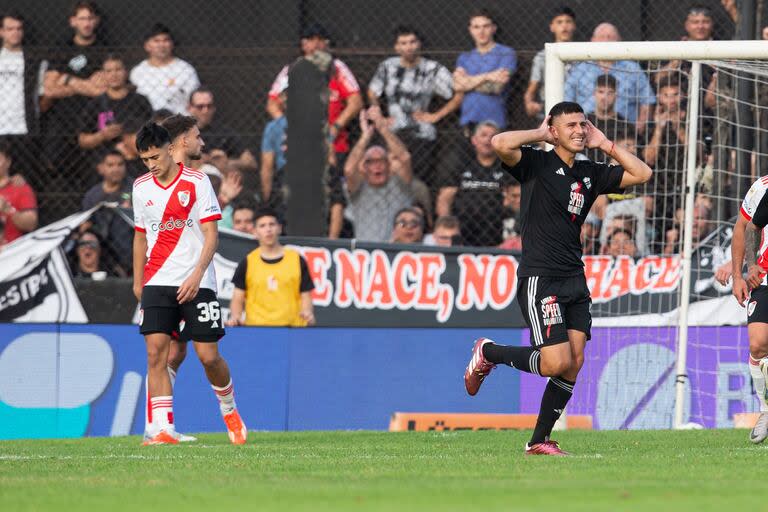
{"type": "Point", "coordinates": [633, 242]}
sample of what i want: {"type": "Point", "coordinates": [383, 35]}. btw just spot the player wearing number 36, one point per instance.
{"type": "Point", "coordinates": [175, 212]}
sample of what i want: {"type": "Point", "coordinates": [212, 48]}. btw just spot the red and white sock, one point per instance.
{"type": "Point", "coordinates": [758, 382]}
{"type": "Point", "coordinates": [149, 429]}
{"type": "Point", "coordinates": [226, 396]}
{"type": "Point", "coordinates": [162, 413]}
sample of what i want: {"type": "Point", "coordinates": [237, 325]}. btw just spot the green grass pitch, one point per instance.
{"type": "Point", "coordinates": [716, 470]}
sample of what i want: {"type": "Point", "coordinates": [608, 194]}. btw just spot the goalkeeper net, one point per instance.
{"type": "Point", "coordinates": [665, 352]}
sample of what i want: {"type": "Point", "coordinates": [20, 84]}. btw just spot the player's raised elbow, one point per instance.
{"type": "Point", "coordinates": [646, 173]}
{"type": "Point", "coordinates": [499, 144]}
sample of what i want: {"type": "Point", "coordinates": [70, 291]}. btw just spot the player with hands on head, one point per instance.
{"type": "Point", "coordinates": [557, 193]}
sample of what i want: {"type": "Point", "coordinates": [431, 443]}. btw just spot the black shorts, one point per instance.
{"type": "Point", "coordinates": [552, 305]}
{"type": "Point", "coordinates": [196, 320]}
{"type": "Point", "coordinates": [757, 306]}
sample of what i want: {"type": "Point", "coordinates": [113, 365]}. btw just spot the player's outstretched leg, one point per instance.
{"type": "Point", "coordinates": [758, 368]}
{"type": "Point", "coordinates": [486, 354]}
{"type": "Point", "coordinates": [217, 370]}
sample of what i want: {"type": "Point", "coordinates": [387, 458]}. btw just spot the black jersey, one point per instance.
{"type": "Point", "coordinates": [555, 200]}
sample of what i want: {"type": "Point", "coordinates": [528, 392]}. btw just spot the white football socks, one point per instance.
{"type": "Point", "coordinates": [150, 429]}
{"type": "Point", "coordinates": [226, 396]}
{"type": "Point", "coordinates": [758, 381]}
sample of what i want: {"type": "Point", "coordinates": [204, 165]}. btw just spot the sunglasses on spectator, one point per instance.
{"type": "Point", "coordinates": [202, 106]}
{"type": "Point", "coordinates": [408, 223]}
{"type": "Point", "coordinates": [88, 243]}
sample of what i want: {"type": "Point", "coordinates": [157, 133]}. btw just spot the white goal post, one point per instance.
{"type": "Point", "coordinates": [558, 54]}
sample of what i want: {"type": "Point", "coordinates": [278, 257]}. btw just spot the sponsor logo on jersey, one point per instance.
{"type": "Point", "coordinates": [184, 197]}
{"type": "Point", "coordinates": [551, 314]}
{"type": "Point", "coordinates": [751, 307]}
{"type": "Point", "coordinates": [560, 171]}
{"type": "Point", "coordinates": [171, 224]}
{"type": "Point", "coordinates": [577, 201]}
{"type": "Point", "coordinates": [588, 183]}
{"type": "Point", "coordinates": [149, 203]}
{"type": "Point", "coordinates": [272, 283]}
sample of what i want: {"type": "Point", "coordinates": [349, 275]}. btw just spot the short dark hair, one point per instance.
{"type": "Point", "coordinates": [564, 107]}
{"type": "Point", "coordinates": [161, 115]}
{"type": "Point", "coordinates": [159, 29]}
{"type": "Point", "coordinates": [5, 148]}
{"type": "Point", "coordinates": [152, 135]}
{"type": "Point", "coordinates": [266, 211]}
{"type": "Point", "coordinates": [606, 80]}
{"type": "Point", "coordinates": [699, 9]}
{"type": "Point", "coordinates": [482, 12]}
{"type": "Point", "coordinates": [405, 30]}
{"type": "Point", "coordinates": [447, 221]}
{"type": "Point", "coordinates": [200, 90]}
{"type": "Point", "coordinates": [245, 204]}
{"type": "Point", "coordinates": [14, 15]}
{"type": "Point", "coordinates": [109, 152]}
{"type": "Point", "coordinates": [112, 56]}
{"type": "Point", "coordinates": [616, 231]}
{"type": "Point", "coordinates": [314, 30]}
{"type": "Point", "coordinates": [626, 132]}
{"type": "Point", "coordinates": [563, 10]}
{"type": "Point", "coordinates": [409, 209]}
{"type": "Point", "coordinates": [178, 124]}
{"type": "Point", "coordinates": [84, 4]}
{"type": "Point", "coordinates": [669, 81]}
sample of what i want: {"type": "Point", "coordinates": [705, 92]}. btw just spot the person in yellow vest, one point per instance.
{"type": "Point", "coordinates": [272, 283]}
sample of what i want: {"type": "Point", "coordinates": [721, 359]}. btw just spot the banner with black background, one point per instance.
{"type": "Point", "coordinates": [385, 285]}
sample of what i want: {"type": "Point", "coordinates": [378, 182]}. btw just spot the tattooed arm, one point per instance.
{"type": "Point", "coordinates": [751, 240]}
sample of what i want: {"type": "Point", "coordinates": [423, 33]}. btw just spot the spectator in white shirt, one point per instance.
{"type": "Point", "coordinates": [163, 78]}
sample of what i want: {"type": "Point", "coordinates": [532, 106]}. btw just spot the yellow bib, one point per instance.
{"type": "Point", "coordinates": [272, 295]}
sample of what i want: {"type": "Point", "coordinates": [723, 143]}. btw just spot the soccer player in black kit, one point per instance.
{"type": "Point", "coordinates": [557, 193]}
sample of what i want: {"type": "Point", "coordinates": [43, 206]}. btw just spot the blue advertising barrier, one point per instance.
{"type": "Point", "coordinates": [88, 380]}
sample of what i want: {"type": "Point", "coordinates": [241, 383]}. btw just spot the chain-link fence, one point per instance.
{"type": "Point", "coordinates": [88, 80]}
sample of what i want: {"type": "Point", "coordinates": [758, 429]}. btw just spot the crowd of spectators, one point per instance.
{"type": "Point", "coordinates": [392, 177]}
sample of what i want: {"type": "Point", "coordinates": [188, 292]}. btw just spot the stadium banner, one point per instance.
{"type": "Point", "coordinates": [61, 380]}
{"type": "Point", "coordinates": [628, 379]}
{"type": "Point", "coordinates": [385, 285]}
{"type": "Point", "coordinates": [35, 281]}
